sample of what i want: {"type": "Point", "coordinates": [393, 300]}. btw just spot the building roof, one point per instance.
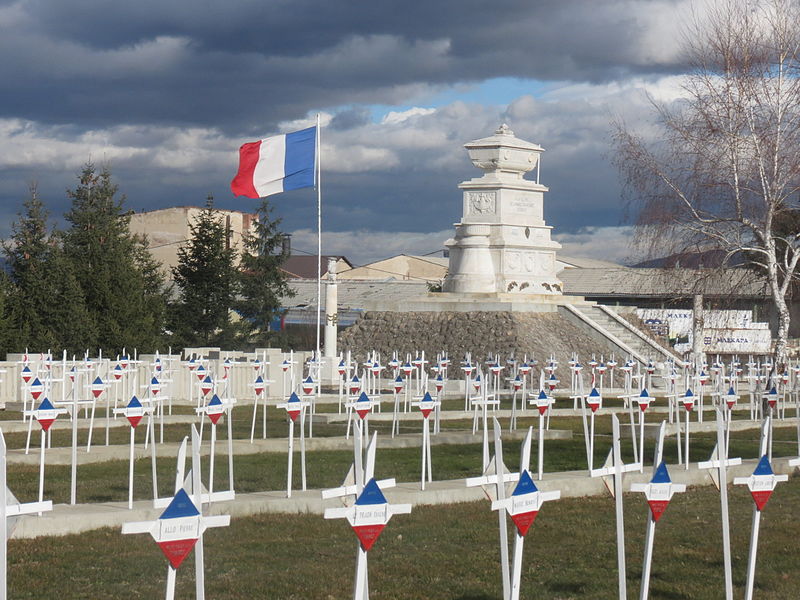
{"type": "Point", "coordinates": [581, 262]}
{"type": "Point", "coordinates": [697, 260]}
{"type": "Point", "coordinates": [618, 282]}
{"type": "Point", "coordinates": [624, 282]}
{"type": "Point", "coordinates": [400, 266]}
{"type": "Point", "coordinates": [305, 266]}
{"type": "Point", "coordinates": [442, 261]}
{"type": "Point", "coordinates": [355, 293]}
{"type": "Point", "coordinates": [188, 207]}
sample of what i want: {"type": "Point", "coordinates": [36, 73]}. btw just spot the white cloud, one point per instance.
{"type": "Point", "coordinates": [362, 247]}
{"type": "Point", "coordinates": [602, 243]}
{"type": "Point", "coordinates": [27, 144]}
{"type": "Point", "coordinates": [395, 117]}
{"type": "Point", "coordinates": [564, 120]}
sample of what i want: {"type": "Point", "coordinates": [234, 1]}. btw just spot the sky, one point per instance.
{"type": "Point", "coordinates": [165, 92]}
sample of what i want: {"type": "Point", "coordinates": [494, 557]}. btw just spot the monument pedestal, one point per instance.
{"type": "Point", "coordinates": [502, 244]}
{"type": "Point", "coordinates": [474, 302]}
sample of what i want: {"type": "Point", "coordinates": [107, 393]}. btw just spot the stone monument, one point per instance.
{"type": "Point", "coordinates": [502, 245]}
{"type": "Point", "coordinates": [501, 294]}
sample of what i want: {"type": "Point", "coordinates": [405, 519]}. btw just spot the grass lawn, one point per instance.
{"type": "Point", "coordinates": [108, 481]}
{"type": "Point", "coordinates": [448, 552]}
{"type": "Point", "coordinates": [443, 552]}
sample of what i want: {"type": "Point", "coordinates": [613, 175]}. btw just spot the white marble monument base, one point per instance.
{"type": "Point", "coordinates": [452, 302]}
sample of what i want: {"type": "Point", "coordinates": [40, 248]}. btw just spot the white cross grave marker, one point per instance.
{"type": "Point", "coordinates": [522, 506]}
{"type": "Point", "coordinates": [595, 402]}
{"type": "Point", "coordinates": [180, 527]}
{"type": "Point", "coordinates": [10, 508]}
{"type": "Point", "coordinates": [260, 393]}
{"type": "Point", "coordinates": [134, 412]}
{"type": "Point", "coordinates": [397, 387]}
{"type": "Point", "coordinates": [643, 400]}
{"type": "Point", "coordinates": [294, 408]}
{"type": "Point", "coordinates": [426, 405]}
{"type": "Point", "coordinates": [499, 479]}
{"type": "Point", "coordinates": [370, 512]}
{"type": "Point", "coordinates": [45, 415]}
{"type": "Point", "coordinates": [484, 400]}
{"type": "Point", "coordinates": [659, 492]}
{"type": "Point", "coordinates": [362, 406]}
{"type": "Point", "coordinates": [543, 403]}
{"type": "Point", "coordinates": [761, 484]}
{"type": "Point", "coordinates": [214, 411]}
{"type": "Point", "coordinates": [615, 468]}
{"type": "Point", "coordinates": [719, 462]}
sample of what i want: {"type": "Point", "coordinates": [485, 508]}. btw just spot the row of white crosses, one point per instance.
{"type": "Point", "coordinates": [179, 529]}
{"type": "Point", "coordinates": [522, 506]}
{"type": "Point", "coordinates": [660, 490]}
{"type": "Point", "coordinates": [46, 414]}
{"type": "Point", "coordinates": [365, 507]}
{"type": "Point", "coordinates": [94, 388]}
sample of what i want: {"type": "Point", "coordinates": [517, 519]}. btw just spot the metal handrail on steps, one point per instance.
{"type": "Point", "coordinates": [641, 335]}
{"type": "Point", "coordinates": [602, 330]}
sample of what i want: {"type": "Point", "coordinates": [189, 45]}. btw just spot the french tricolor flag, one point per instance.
{"type": "Point", "coordinates": [276, 164]}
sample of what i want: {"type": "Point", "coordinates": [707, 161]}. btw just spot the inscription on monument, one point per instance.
{"type": "Point", "coordinates": [482, 203]}
{"type": "Point", "coordinates": [521, 205]}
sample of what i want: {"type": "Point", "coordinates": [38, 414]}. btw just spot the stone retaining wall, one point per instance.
{"type": "Point", "coordinates": [482, 333]}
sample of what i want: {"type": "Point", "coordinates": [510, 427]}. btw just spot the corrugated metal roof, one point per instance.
{"type": "Point", "coordinates": [617, 282]}
{"type": "Point", "coordinates": [662, 283]}
{"type": "Point", "coordinates": [356, 293]}
{"type": "Point", "coordinates": [582, 262]}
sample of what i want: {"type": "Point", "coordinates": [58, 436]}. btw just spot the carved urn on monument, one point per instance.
{"type": "Point", "coordinates": [502, 245]}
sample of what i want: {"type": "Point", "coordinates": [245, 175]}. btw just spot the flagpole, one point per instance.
{"type": "Point", "coordinates": [319, 240]}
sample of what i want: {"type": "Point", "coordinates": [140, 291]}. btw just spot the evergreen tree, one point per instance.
{"type": "Point", "coordinates": [45, 305]}
{"type": "Point", "coordinates": [262, 284]}
{"type": "Point", "coordinates": [122, 289]}
{"type": "Point", "coordinates": [8, 333]}
{"type": "Point", "coordinates": [206, 285]}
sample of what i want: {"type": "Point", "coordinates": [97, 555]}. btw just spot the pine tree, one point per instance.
{"type": "Point", "coordinates": [123, 291]}
{"type": "Point", "coordinates": [8, 333]}
{"type": "Point", "coordinates": [206, 285]}
{"type": "Point", "coordinates": [45, 305]}
{"type": "Point", "coordinates": [262, 284]}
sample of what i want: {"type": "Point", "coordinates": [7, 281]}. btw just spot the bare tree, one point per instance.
{"type": "Point", "coordinates": [725, 170]}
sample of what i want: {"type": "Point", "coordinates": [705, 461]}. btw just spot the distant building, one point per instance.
{"type": "Point", "coordinates": [403, 267]}
{"type": "Point", "coordinates": [167, 229]}
{"type": "Point", "coordinates": [302, 266]}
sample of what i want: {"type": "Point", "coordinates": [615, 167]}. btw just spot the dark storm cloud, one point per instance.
{"type": "Point", "coordinates": [164, 92]}
{"type": "Point", "coordinates": [245, 63]}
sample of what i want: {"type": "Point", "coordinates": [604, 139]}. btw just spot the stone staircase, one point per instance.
{"type": "Point", "coordinates": [628, 338]}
